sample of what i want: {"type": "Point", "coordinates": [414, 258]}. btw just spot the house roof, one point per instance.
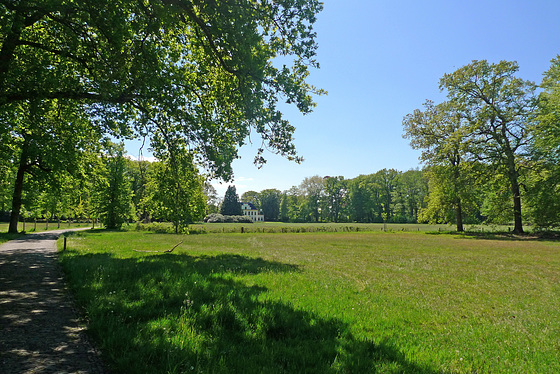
{"type": "Point", "coordinates": [250, 205]}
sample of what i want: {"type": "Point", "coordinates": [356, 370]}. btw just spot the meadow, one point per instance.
{"type": "Point", "coordinates": [282, 227]}
{"type": "Point", "coordinates": [318, 302]}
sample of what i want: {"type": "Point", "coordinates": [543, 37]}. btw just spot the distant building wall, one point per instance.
{"type": "Point", "coordinates": [249, 210]}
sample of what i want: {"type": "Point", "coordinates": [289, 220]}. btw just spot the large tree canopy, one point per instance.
{"type": "Point", "coordinates": [196, 69]}
{"type": "Point", "coordinates": [546, 149]}
{"type": "Point", "coordinates": [207, 72]}
{"type": "Point", "coordinates": [442, 134]}
{"type": "Point", "coordinates": [499, 106]}
{"type": "Point", "coordinates": [547, 126]}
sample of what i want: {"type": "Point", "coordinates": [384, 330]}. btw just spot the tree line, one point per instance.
{"type": "Point", "coordinates": [385, 196]}
{"type": "Point", "coordinates": [491, 154]}
{"type": "Point", "coordinates": [112, 189]}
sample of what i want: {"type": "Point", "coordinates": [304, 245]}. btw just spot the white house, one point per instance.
{"type": "Point", "coordinates": [249, 210]}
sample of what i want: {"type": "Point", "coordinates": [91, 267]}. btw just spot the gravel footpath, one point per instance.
{"type": "Point", "coordinates": [39, 328]}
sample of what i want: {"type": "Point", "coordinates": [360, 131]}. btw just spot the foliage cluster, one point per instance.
{"type": "Point", "coordinates": [112, 200]}
{"type": "Point", "coordinates": [493, 144]}
{"type": "Point", "coordinates": [231, 205]}
{"type": "Point", "coordinates": [114, 189]}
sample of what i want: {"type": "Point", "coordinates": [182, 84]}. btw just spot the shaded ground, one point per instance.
{"type": "Point", "coordinates": [529, 236]}
{"type": "Point", "coordinates": [39, 329]}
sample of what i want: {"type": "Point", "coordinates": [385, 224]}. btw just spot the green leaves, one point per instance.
{"type": "Point", "coordinates": [545, 179]}
{"type": "Point", "coordinates": [547, 125]}
{"type": "Point", "coordinates": [196, 70]}
{"type": "Point", "coordinates": [113, 198]}
{"type": "Point", "coordinates": [194, 76]}
{"type": "Point", "coordinates": [177, 188]}
{"type": "Point", "coordinates": [230, 205]}
{"type": "Point", "coordinates": [486, 118]}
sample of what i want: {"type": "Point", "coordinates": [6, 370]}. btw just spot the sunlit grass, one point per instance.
{"type": "Point", "coordinates": [319, 302]}
{"type": "Point", "coordinates": [281, 227]}
{"type": "Point", "coordinates": [42, 226]}
{"type": "Point", "coordinates": [39, 227]}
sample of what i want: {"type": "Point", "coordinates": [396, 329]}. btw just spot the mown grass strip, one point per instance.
{"type": "Point", "coordinates": [319, 303]}
{"type": "Point", "coordinates": [43, 226]}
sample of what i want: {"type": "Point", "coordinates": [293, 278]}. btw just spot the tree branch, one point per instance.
{"type": "Point", "coordinates": [11, 40]}
{"type": "Point", "coordinates": [54, 51]}
{"type": "Point", "coordinates": [89, 96]}
{"type": "Point", "coordinates": [166, 251]}
{"type": "Point", "coordinates": [188, 9]}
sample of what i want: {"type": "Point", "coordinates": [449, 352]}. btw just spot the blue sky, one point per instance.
{"type": "Point", "coordinates": [380, 60]}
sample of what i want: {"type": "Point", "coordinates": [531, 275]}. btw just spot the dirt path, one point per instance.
{"type": "Point", "coordinates": [39, 329]}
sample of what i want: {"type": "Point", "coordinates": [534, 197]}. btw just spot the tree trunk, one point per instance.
{"type": "Point", "coordinates": [459, 212]}
{"type": "Point", "coordinates": [518, 223]}
{"type": "Point", "coordinates": [18, 191]}
{"type": "Point", "coordinates": [459, 209]}
{"type": "Point", "coordinates": [514, 184]}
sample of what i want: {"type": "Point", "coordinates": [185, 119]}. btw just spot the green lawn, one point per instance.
{"type": "Point", "coordinates": [319, 302]}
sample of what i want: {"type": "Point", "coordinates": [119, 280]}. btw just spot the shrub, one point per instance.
{"type": "Point", "coordinates": [157, 227]}
{"type": "Point", "coordinates": [214, 218]}
{"type": "Point", "coordinates": [219, 218]}
{"type": "Point", "coordinates": [243, 219]}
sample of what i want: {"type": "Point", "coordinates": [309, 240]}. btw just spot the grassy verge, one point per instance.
{"type": "Point", "coordinates": [318, 302]}
{"type": "Point", "coordinates": [43, 226]}
{"type": "Point", "coordinates": [4, 237]}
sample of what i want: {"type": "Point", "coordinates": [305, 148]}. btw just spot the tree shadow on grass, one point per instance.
{"type": "Point", "coordinates": [548, 236]}
{"type": "Point", "coordinates": [173, 313]}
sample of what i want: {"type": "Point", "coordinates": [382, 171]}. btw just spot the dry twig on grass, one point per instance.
{"type": "Point", "coordinates": [167, 251]}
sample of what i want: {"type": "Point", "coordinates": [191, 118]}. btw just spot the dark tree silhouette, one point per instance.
{"type": "Point", "coordinates": [231, 205]}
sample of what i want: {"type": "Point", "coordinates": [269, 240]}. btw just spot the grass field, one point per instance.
{"type": "Point", "coordinates": [319, 302]}
{"type": "Point", "coordinates": [268, 227]}
{"type": "Point", "coordinates": [260, 227]}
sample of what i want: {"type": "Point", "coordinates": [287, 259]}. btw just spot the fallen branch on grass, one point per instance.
{"type": "Point", "coordinates": [167, 251]}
